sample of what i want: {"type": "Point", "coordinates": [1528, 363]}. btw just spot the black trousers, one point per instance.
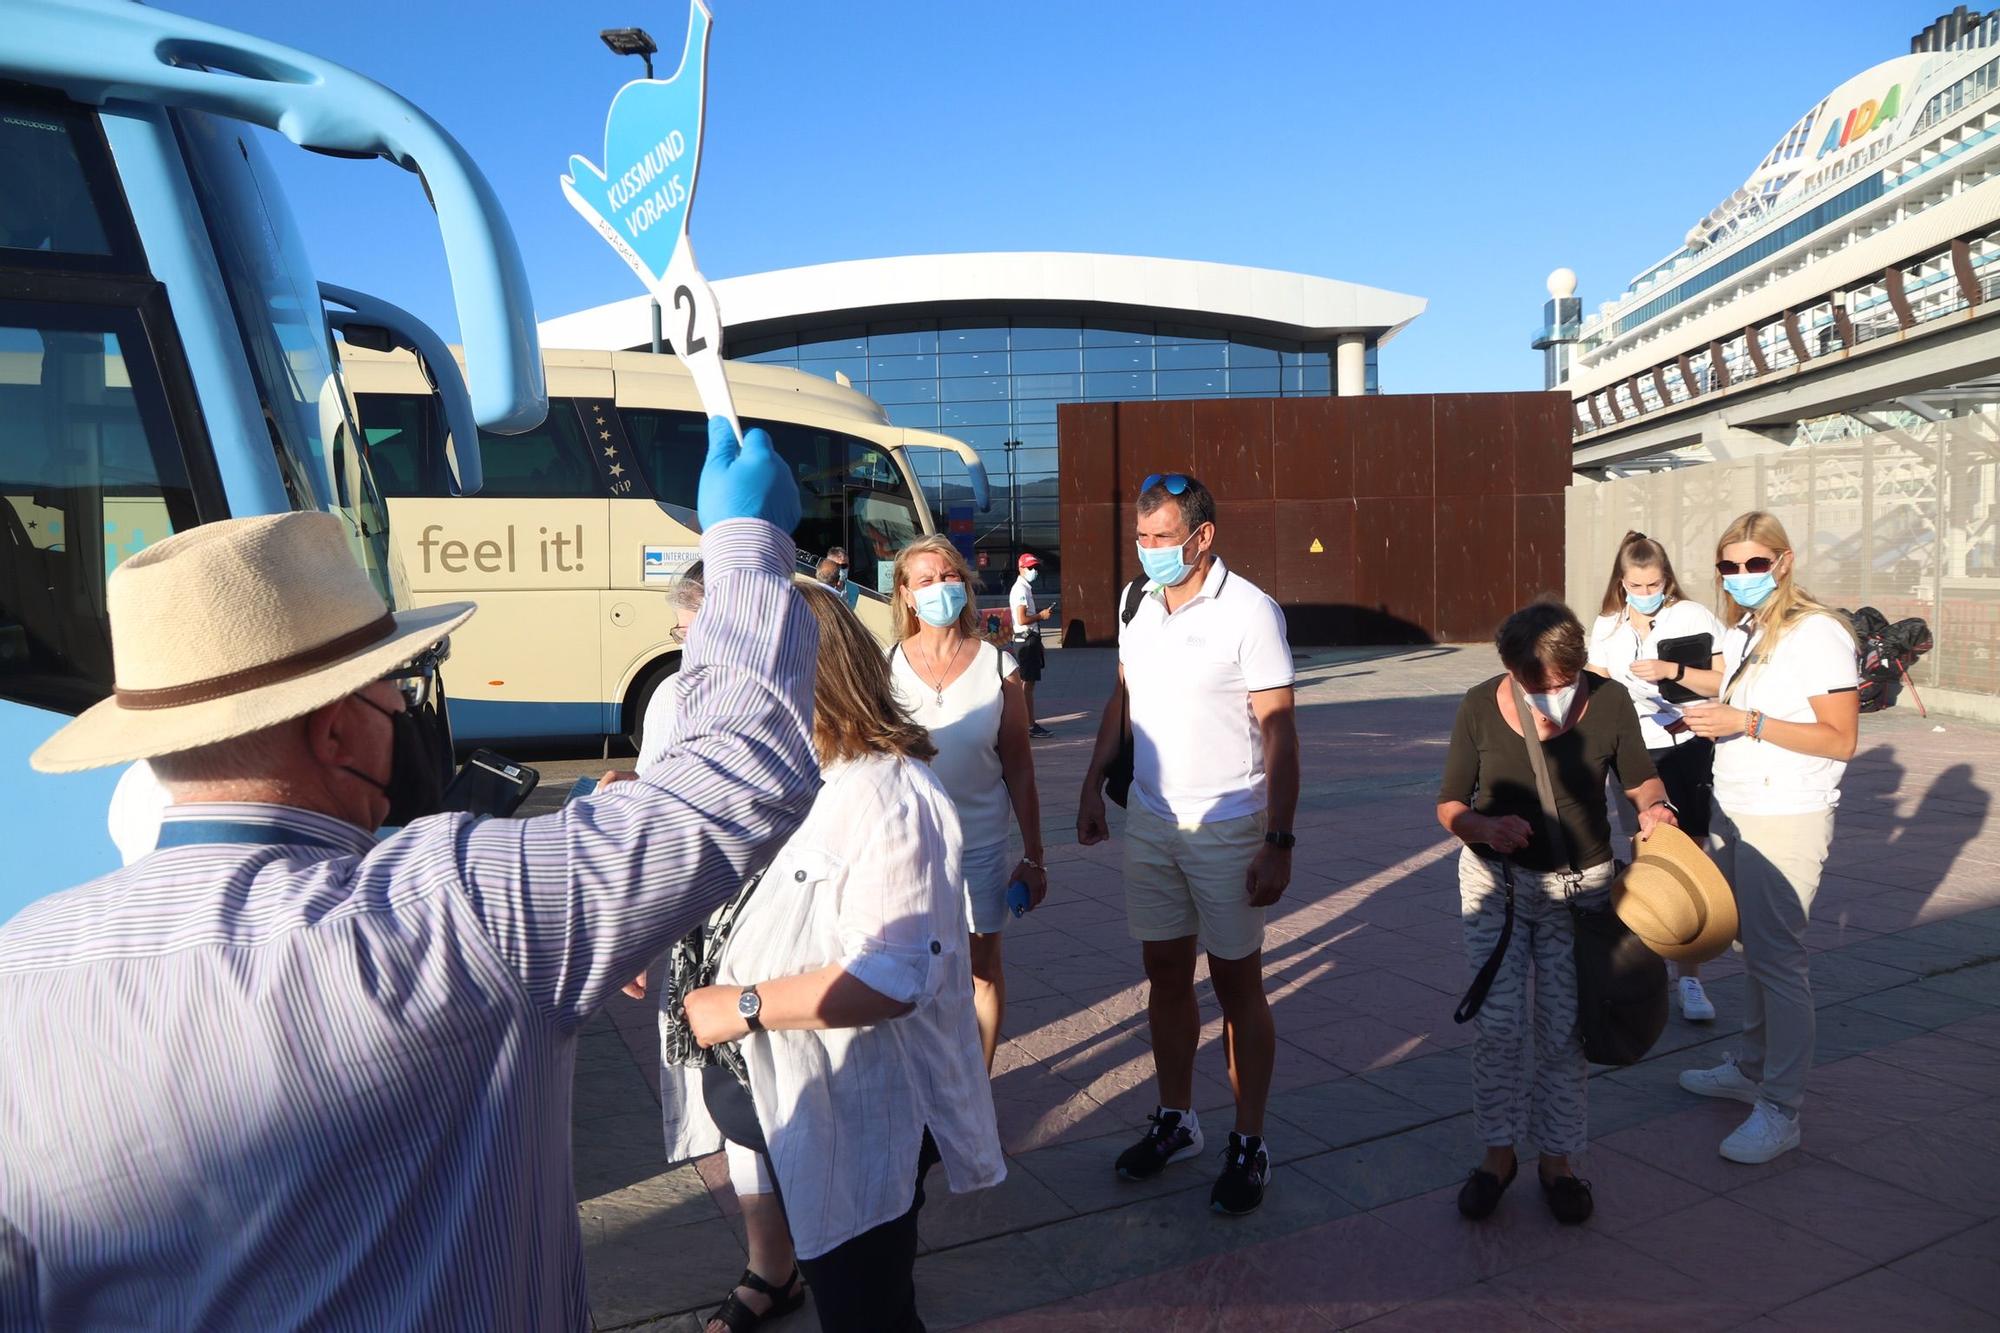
{"type": "Point", "coordinates": [864, 1284]}
{"type": "Point", "coordinates": [868, 1284]}
{"type": "Point", "coordinates": [1688, 769]}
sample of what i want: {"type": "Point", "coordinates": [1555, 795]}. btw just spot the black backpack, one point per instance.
{"type": "Point", "coordinates": [1884, 654]}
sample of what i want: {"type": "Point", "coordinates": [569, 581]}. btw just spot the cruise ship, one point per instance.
{"type": "Point", "coordinates": [1854, 266]}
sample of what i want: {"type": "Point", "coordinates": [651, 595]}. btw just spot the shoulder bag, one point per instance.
{"type": "Point", "coordinates": [692, 964]}
{"type": "Point", "coordinates": [1621, 985]}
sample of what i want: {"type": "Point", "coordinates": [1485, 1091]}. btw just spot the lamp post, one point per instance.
{"type": "Point", "coordinates": [1013, 502]}
{"type": "Point", "coordinates": [636, 42]}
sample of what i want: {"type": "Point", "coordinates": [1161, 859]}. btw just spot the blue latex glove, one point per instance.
{"type": "Point", "coordinates": [747, 481]}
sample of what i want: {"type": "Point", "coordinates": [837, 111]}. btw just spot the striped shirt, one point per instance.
{"type": "Point", "coordinates": [320, 1080]}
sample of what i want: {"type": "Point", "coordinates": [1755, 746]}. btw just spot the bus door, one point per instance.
{"type": "Point", "coordinates": [532, 549]}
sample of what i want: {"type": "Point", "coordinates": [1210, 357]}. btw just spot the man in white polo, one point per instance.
{"type": "Point", "coordinates": [1026, 620]}
{"type": "Point", "coordinates": [1206, 674]}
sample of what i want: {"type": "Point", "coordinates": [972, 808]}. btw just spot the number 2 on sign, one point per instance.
{"type": "Point", "coordinates": [684, 296]}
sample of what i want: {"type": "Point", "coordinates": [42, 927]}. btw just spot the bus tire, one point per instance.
{"type": "Point", "coordinates": [641, 698]}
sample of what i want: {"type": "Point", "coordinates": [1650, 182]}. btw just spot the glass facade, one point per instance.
{"type": "Point", "coordinates": [995, 383]}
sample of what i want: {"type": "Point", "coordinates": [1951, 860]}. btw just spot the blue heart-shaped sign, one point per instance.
{"type": "Point", "coordinates": [652, 144]}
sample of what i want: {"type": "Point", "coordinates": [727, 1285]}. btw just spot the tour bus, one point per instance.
{"type": "Point", "coordinates": [167, 352]}
{"type": "Point", "coordinates": [584, 522]}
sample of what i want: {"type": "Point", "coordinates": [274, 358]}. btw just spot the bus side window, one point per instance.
{"type": "Point", "coordinates": [90, 475]}
{"type": "Point", "coordinates": [550, 462]}
{"type": "Point", "coordinates": [405, 434]}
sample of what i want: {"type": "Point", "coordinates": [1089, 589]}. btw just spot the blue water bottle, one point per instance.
{"type": "Point", "coordinates": [1018, 899]}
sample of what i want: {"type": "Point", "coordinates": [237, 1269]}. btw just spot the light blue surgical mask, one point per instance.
{"type": "Point", "coordinates": [1164, 565]}
{"type": "Point", "coordinates": [1750, 590]}
{"type": "Point", "coordinates": [940, 604]}
{"type": "Point", "coordinates": [1646, 605]}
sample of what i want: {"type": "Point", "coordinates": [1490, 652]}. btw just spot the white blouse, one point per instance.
{"type": "Point", "coordinates": [870, 881]}
{"type": "Point", "coordinates": [964, 722]}
{"type": "Point", "coordinates": [1812, 658]}
{"type": "Point", "coordinates": [1615, 646]}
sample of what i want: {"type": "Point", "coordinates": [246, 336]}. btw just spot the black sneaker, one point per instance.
{"type": "Point", "coordinates": [1167, 1141]}
{"type": "Point", "coordinates": [1246, 1166]}
{"type": "Point", "coordinates": [1037, 730]}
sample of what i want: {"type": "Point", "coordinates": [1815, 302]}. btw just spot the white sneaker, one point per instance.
{"type": "Point", "coordinates": [1768, 1133]}
{"type": "Point", "coordinates": [1725, 1080]}
{"type": "Point", "coordinates": [1696, 1007]}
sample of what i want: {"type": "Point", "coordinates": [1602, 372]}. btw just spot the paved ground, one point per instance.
{"type": "Point", "coordinates": [1889, 1217]}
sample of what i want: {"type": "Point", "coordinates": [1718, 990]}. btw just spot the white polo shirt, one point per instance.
{"type": "Point", "coordinates": [1021, 605]}
{"type": "Point", "coordinates": [1615, 646]}
{"type": "Point", "coordinates": [1813, 657]}
{"type": "Point", "coordinates": [1198, 753]}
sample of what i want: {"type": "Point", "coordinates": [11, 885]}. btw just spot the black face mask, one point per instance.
{"type": "Point", "coordinates": [419, 764]}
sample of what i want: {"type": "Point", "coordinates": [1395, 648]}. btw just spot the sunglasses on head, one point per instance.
{"type": "Point", "coordinates": [1175, 482]}
{"type": "Point", "coordinates": [1756, 564]}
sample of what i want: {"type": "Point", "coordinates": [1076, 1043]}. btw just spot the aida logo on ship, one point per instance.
{"type": "Point", "coordinates": [1862, 120]}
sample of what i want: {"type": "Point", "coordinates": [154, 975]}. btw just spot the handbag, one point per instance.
{"type": "Point", "coordinates": [1118, 773]}
{"type": "Point", "coordinates": [691, 964]}
{"type": "Point", "coordinates": [1621, 985]}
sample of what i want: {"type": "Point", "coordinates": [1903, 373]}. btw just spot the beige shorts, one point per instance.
{"type": "Point", "coordinates": [1189, 881]}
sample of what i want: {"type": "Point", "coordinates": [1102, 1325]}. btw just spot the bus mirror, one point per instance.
{"type": "Point", "coordinates": [975, 467]}
{"type": "Point", "coordinates": [95, 51]}
{"type": "Point", "coordinates": [368, 317]}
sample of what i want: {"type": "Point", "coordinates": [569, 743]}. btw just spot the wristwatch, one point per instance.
{"type": "Point", "coordinates": [1680, 670]}
{"type": "Point", "coordinates": [1282, 841]}
{"type": "Point", "coordinates": [749, 1005]}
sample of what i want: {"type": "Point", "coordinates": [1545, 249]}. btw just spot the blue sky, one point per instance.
{"type": "Point", "coordinates": [1453, 150]}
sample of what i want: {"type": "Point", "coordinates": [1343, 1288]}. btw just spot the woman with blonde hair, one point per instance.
{"type": "Point", "coordinates": [968, 694]}
{"type": "Point", "coordinates": [843, 996]}
{"type": "Point", "coordinates": [1785, 722]}
{"type": "Point", "coordinates": [1643, 608]}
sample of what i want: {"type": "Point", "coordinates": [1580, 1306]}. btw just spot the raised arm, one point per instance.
{"type": "Point", "coordinates": [576, 902]}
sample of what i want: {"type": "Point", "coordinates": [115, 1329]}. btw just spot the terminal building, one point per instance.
{"type": "Point", "coordinates": [1853, 271]}
{"type": "Point", "coordinates": [985, 347]}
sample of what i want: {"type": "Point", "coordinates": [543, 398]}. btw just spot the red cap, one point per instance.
{"type": "Point", "coordinates": [1027, 562]}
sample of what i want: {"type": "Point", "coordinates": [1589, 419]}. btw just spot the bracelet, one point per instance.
{"type": "Point", "coordinates": [1756, 724]}
{"type": "Point", "coordinates": [1032, 863]}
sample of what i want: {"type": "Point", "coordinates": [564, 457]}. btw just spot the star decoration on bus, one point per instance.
{"type": "Point", "coordinates": [610, 452]}
{"type": "Point", "coordinates": [603, 434]}
{"type": "Point", "coordinates": [616, 469]}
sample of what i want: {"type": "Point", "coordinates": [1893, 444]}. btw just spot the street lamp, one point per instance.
{"type": "Point", "coordinates": [1013, 502]}
{"type": "Point", "coordinates": [636, 42]}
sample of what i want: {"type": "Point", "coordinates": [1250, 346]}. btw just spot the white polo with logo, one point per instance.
{"type": "Point", "coordinates": [1198, 753]}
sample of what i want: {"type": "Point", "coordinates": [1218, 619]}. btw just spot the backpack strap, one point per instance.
{"type": "Point", "coordinates": [1135, 593]}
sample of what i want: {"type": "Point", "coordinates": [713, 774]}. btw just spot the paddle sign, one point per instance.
{"type": "Point", "coordinates": [640, 201]}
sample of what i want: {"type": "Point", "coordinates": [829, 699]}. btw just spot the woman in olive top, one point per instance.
{"type": "Point", "coordinates": [1784, 727]}
{"type": "Point", "coordinates": [1490, 802]}
{"type": "Point", "coordinates": [1643, 607]}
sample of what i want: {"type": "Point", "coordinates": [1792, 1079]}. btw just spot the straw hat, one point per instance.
{"type": "Point", "coordinates": [1674, 899]}
{"type": "Point", "coordinates": [235, 626]}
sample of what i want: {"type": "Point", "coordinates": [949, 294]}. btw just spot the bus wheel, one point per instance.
{"type": "Point", "coordinates": [642, 698]}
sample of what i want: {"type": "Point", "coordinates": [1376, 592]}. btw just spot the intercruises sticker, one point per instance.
{"type": "Point", "coordinates": [640, 201]}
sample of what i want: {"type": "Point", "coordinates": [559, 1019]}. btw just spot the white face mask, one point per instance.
{"type": "Point", "coordinates": [1030, 575]}
{"type": "Point", "coordinates": [1554, 705]}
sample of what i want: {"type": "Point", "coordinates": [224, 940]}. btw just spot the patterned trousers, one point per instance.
{"type": "Point", "coordinates": [1511, 1101]}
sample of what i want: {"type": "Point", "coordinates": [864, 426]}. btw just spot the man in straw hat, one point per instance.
{"type": "Point", "coordinates": [278, 1074]}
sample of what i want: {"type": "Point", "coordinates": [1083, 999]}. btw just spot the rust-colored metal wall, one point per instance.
{"type": "Point", "coordinates": [1435, 514]}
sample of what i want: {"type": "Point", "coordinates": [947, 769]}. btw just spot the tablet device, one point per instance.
{"type": "Point", "coordinates": [1693, 650]}
{"type": "Point", "coordinates": [490, 784]}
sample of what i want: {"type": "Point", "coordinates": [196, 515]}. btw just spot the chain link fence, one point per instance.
{"type": "Point", "coordinates": [1906, 521]}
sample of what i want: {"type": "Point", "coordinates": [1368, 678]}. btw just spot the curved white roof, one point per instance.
{"type": "Point", "coordinates": [1226, 297]}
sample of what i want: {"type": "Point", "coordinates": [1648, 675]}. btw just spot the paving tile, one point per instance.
{"type": "Point", "coordinates": [1979, 984]}
{"type": "Point", "coordinates": [1980, 1029]}
{"type": "Point", "coordinates": [989, 1279]}
{"type": "Point", "coordinates": [1386, 1170]}
{"type": "Point", "coordinates": [1520, 1232]}
{"type": "Point", "coordinates": [1628, 1192]}
{"type": "Point", "coordinates": [1878, 1300]}
{"type": "Point", "coordinates": [1355, 1043]}
{"type": "Point", "coordinates": [1684, 1146]}
{"type": "Point", "coordinates": [1871, 1217]}
{"type": "Point", "coordinates": [1606, 1286]}
{"type": "Point", "coordinates": [647, 1268]}
{"type": "Point", "coordinates": [1017, 1203]}
{"type": "Point", "coordinates": [1745, 1257]}
{"type": "Point", "coordinates": [1842, 1030]}
{"type": "Point", "coordinates": [1944, 1057]}
{"type": "Point", "coordinates": [611, 1088]}
{"type": "Point", "coordinates": [1965, 1266]}
{"type": "Point", "coordinates": [1902, 951]}
{"type": "Point", "coordinates": [1080, 1173]}
{"type": "Point", "coordinates": [614, 1151]}
{"type": "Point", "coordinates": [1347, 1111]}
{"type": "Point", "coordinates": [1838, 976]}
{"type": "Point", "coordinates": [1441, 1082]}
{"type": "Point", "coordinates": [1922, 1004]}
{"type": "Point", "coordinates": [1933, 1161]}
{"type": "Point", "coordinates": [1885, 1090]}
{"type": "Point", "coordinates": [1482, 1305]}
